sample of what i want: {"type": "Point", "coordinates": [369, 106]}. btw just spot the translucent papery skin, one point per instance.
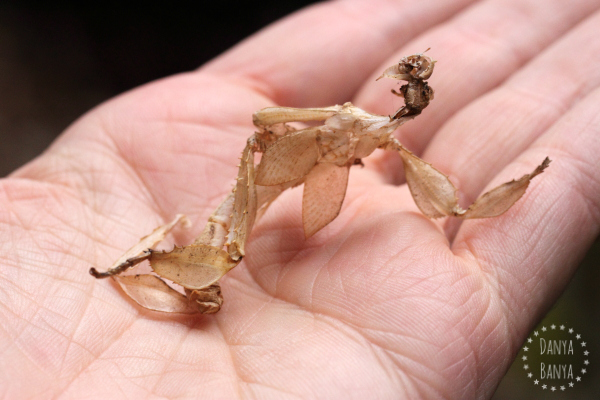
{"type": "Point", "coordinates": [320, 157]}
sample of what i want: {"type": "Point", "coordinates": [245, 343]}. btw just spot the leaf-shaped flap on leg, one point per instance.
{"type": "Point", "coordinates": [244, 206]}
{"type": "Point", "coordinates": [501, 198]}
{"type": "Point", "coordinates": [324, 192]}
{"type": "Point", "coordinates": [153, 293]}
{"type": "Point", "coordinates": [432, 191]}
{"type": "Point", "coordinates": [136, 253]}
{"type": "Point", "coordinates": [289, 158]}
{"type": "Point", "coordinates": [194, 266]}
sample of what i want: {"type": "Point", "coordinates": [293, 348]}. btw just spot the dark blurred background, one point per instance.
{"type": "Point", "coordinates": [59, 59]}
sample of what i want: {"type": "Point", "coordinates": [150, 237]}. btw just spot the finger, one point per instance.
{"type": "Point", "coordinates": [476, 51]}
{"type": "Point", "coordinates": [476, 144]}
{"type": "Point", "coordinates": [321, 55]}
{"type": "Point", "coordinates": [531, 252]}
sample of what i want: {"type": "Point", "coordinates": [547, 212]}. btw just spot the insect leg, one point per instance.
{"type": "Point", "coordinates": [277, 115]}
{"type": "Point", "coordinates": [139, 252]}
{"type": "Point", "coordinates": [436, 196]}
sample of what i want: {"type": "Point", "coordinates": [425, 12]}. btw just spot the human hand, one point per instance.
{"type": "Point", "coordinates": [383, 303]}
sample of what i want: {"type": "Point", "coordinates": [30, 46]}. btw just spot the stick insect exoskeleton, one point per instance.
{"type": "Point", "coordinates": [319, 157]}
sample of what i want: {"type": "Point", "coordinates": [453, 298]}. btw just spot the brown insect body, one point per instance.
{"type": "Point", "coordinates": [320, 157]}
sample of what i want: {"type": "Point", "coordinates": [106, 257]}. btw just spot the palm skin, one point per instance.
{"type": "Point", "coordinates": [382, 303]}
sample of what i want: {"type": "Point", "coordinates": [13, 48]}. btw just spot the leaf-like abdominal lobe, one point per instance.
{"type": "Point", "coordinates": [153, 293]}
{"type": "Point", "coordinates": [324, 192]}
{"type": "Point", "coordinates": [289, 158]}
{"type": "Point", "coordinates": [193, 267]}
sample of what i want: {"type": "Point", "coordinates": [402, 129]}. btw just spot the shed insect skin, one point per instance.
{"type": "Point", "coordinates": [319, 157]}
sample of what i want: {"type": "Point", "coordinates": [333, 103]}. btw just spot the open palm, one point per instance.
{"type": "Point", "coordinates": [383, 302]}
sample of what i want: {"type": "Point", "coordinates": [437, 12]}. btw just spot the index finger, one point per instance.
{"type": "Point", "coordinates": [323, 54]}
